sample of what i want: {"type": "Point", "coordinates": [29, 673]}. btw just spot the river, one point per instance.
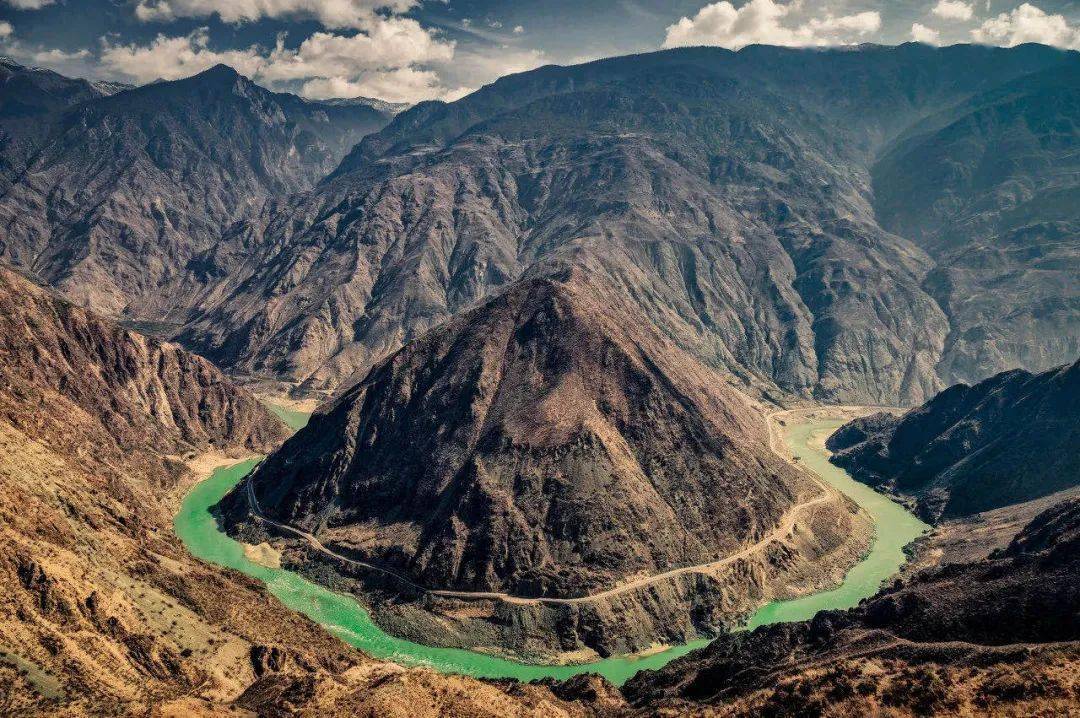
{"type": "Point", "coordinates": [343, 616]}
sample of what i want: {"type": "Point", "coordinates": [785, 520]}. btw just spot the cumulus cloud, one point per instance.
{"type": "Point", "coordinates": [388, 61]}
{"type": "Point", "coordinates": [55, 57]}
{"type": "Point", "coordinates": [405, 84]}
{"type": "Point", "coordinates": [1028, 23]}
{"type": "Point", "coordinates": [922, 33]}
{"type": "Point", "coordinates": [28, 4]}
{"type": "Point", "coordinates": [6, 30]}
{"type": "Point", "coordinates": [761, 21]}
{"type": "Point", "coordinates": [954, 10]}
{"type": "Point", "coordinates": [519, 29]}
{"type": "Point", "coordinates": [171, 58]}
{"type": "Point", "coordinates": [338, 14]}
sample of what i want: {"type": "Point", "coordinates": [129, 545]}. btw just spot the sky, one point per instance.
{"type": "Point", "coordinates": [411, 50]}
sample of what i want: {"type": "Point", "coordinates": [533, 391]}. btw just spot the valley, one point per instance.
{"type": "Point", "coordinates": [894, 528]}
{"type": "Point", "coordinates": [726, 379]}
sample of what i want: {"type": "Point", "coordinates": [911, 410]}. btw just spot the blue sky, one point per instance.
{"type": "Point", "coordinates": [407, 50]}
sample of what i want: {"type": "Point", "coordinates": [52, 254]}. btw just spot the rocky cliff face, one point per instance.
{"type": "Point", "coordinates": [733, 196]}
{"type": "Point", "coordinates": [547, 444]}
{"type": "Point", "coordinates": [31, 100]}
{"type": "Point", "coordinates": [124, 192]}
{"type": "Point", "coordinates": [142, 394]}
{"type": "Point", "coordinates": [1006, 440]}
{"type": "Point", "coordinates": [997, 636]}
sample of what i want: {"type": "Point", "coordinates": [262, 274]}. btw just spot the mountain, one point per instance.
{"type": "Point", "coordinates": [741, 199]}
{"type": "Point", "coordinates": [546, 444]}
{"type": "Point", "coordinates": [990, 189]}
{"type": "Point", "coordinates": [999, 636]}
{"type": "Point", "coordinates": [127, 190]}
{"type": "Point", "coordinates": [103, 611]}
{"type": "Point", "coordinates": [1008, 439]}
{"type": "Point", "coordinates": [389, 108]}
{"type": "Point", "coordinates": [138, 394]}
{"type": "Point", "coordinates": [30, 99]}
{"type": "Point", "coordinates": [95, 424]}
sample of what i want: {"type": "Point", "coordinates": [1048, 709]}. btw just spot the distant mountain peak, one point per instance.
{"type": "Point", "coordinates": [219, 70]}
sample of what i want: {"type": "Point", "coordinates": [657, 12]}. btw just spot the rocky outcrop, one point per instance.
{"type": "Point", "coordinates": [143, 395]}
{"type": "Point", "coordinates": [996, 635]}
{"type": "Point", "coordinates": [124, 192]}
{"type": "Point", "coordinates": [546, 445]}
{"type": "Point", "coordinates": [1006, 440]}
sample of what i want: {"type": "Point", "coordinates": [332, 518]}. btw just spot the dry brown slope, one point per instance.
{"type": "Point", "coordinates": [103, 611]}
{"type": "Point", "coordinates": [541, 444]}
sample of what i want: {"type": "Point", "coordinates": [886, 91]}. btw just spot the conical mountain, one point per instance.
{"type": "Point", "coordinates": [547, 443]}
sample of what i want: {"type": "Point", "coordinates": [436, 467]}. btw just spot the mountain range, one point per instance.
{"type": "Point", "coordinates": [1006, 440]}
{"type": "Point", "coordinates": [119, 195]}
{"type": "Point", "coordinates": [769, 225]}
{"type": "Point", "coordinates": [550, 325]}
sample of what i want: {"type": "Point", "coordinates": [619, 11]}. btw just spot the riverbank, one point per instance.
{"type": "Point", "coordinates": [343, 616]}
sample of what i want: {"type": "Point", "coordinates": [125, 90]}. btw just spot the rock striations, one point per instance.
{"type": "Point", "coordinates": [1006, 440]}
{"type": "Point", "coordinates": [550, 444]}
{"type": "Point", "coordinates": [140, 394]}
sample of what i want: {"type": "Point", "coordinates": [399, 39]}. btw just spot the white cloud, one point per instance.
{"type": "Point", "coordinates": [28, 4]}
{"type": "Point", "coordinates": [390, 61]}
{"type": "Point", "coordinates": [1028, 23]}
{"type": "Point", "coordinates": [56, 57]}
{"type": "Point", "coordinates": [954, 10]}
{"type": "Point", "coordinates": [519, 29]}
{"type": "Point", "coordinates": [171, 58]}
{"type": "Point", "coordinates": [922, 33]}
{"type": "Point", "coordinates": [6, 30]}
{"type": "Point", "coordinates": [357, 14]}
{"type": "Point", "coordinates": [391, 44]}
{"type": "Point", "coordinates": [404, 84]}
{"type": "Point", "coordinates": [760, 21]}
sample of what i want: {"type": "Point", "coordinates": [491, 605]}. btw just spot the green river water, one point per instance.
{"type": "Point", "coordinates": [295, 420]}
{"type": "Point", "coordinates": [343, 616]}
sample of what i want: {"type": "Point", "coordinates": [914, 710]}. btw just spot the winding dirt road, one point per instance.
{"type": "Point", "coordinates": [784, 529]}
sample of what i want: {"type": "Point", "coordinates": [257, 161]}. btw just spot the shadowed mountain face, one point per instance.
{"type": "Point", "coordinates": [123, 192]}
{"type": "Point", "coordinates": [31, 99]}
{"type": "Point", "coordinates": [991, 189]}
{"type": "Point", "coordinates": [734, 198]}
{"type": "Point", "coordinates": [546, 443]}
{"type": "Point", "coordinates": [1006, 440]}
{"type": "Point", "coordinates": [997, 636]}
